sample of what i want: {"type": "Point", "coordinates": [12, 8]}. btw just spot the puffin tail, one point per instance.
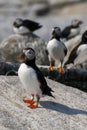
{"type": "Point", "coordinates": [51, 95]}
{"type": "Point", "coordinates": [39, 26]}
{"type": "Point", "coordinates": [49, 92]}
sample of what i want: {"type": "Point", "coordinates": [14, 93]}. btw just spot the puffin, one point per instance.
{"type": "Point", "coordinates": [56, 49]}
{"type": "Point", "coordinates": [78, 49]}
{"type": "Point", "coordinates": [25, 26]}
{"type": "Point", "coordinates": [32, 78]}
{"type": "Point", "coordinates": [72, 30]}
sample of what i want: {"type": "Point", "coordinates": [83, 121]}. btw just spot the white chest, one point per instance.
{"type": "Point", "coordinates": [29, 79]}
{"type": "Point", "coordinates": [55, 49]}
{"type": "Point", "coordinates": [81, 48]}
{"type": "Point", "coordinates": [21, 30]}
{"type": "Point", "coordinates": [74, 32]}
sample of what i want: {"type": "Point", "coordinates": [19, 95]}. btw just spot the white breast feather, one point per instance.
{"type": "Point", "coordinates": [29, 79]}
{"type": "Point", "coordinates": [74, 32]}
{"type": "Point", "coordinates": [56, 49]}
{"type": "Point", "coordinates": [21, 30]}
{"type": "Point", "coordinates": [81, 48]}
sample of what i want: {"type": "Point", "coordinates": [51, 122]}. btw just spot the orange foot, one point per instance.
{"type": "Point", "coordinates": [51, 68]}
{"type": "Point", "coordinates": [28, 101]}
{"type": "Point", "coordinates": [61, 70]}
{"type": "Point", "coordinates": [33, 106]}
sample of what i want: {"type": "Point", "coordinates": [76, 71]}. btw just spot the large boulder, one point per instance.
{"type": "Point", "coordinates": [68, 111]}
{"type": "Point", "coordinates": [11, 47]}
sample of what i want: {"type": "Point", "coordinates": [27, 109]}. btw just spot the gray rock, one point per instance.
{"type": "Point", "coordinates": [67, 112]}
{"type": "Point", "coordinates": [7, 68]}
{"type": "Point", "coordinates": [11, 47]}
{"type": "Point", "coordinates": [73, 77]}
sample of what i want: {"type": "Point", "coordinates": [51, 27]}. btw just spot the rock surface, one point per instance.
{"type": "Point", "coordinates": [11, 48]}
{"type": "Point", "coordinates": [68, 111]}
{"type": "Point", "coordinates": [73, 77]}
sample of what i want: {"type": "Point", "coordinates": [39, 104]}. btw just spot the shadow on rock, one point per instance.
{"type": "Point", "coordinates": [61, 108]}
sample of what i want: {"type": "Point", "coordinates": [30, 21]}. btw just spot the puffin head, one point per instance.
{"type": "Point", "coordinates": [56, 32]}
{"type": "Point", "coordinates": [76, 22]}
{"type": "Point", "coordinates": [28, 54]}
{"type": "Point", "coordinates": [18, 22]}
{"type": "Point", "coordinates": [84, 36]}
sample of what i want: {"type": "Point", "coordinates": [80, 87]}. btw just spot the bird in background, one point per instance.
{"type": "Point", "coordinates": [72, 30]}
{"type": "Point", "coordinates": [32, 78]}
{"type": "Point", "coordinates": [56, 49]}
{"type": "Point", "coordinates": [79, 48]}
{"type": "Point", "coordinates": [25, 26]}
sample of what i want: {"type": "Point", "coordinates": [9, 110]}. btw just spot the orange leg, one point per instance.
{"type": "Point", "coordinates": [61, 69]}
{"type": "Point", "coordinates": [29, 101]}
{"type": "Point", "coordinates": [35, 104]}
{"type": "Point", "coordinates": [51, 67]}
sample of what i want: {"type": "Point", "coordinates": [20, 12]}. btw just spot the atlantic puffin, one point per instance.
{"type": "Point", "coordinates": [72, 30]}
{"type": "Point", "coordinates": [79, 48]}
{"type": "Point", "coordinates": [32, 78]}
{"type": "Point", "coordinates": [56, 49]}
{"type": "Point", "coordinates": [21, 26]}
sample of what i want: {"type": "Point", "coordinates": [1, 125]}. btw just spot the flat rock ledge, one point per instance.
{"type": "Point", "coordinates": [11, 47]}
{"type": "Point", "coordinates": [73, 77]}
{"type": "Point", "coordinates": [68, 111]}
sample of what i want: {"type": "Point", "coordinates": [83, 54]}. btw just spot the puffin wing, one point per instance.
{"type": "Point", "coordinates": [32, 25]}
{"type": "Point", "coordinates": [66, 32]}
{"type": "Point", "coordinates": [46, 90]}
{"type": "Point", "coordinates": [65, 48]}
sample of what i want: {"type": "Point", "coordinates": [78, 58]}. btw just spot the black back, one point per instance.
{"type": "Point", "coordinates": [31, 25]}
{"type": "Point", "coordinates": [66, 32]}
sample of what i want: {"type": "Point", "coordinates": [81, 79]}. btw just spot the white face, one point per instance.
{"type": "Point", "coordinates": [30, 54]}
{"type": "Point", "coordinates": [19, 21]}
{"type": "Point", "coordinates": [75, 22]}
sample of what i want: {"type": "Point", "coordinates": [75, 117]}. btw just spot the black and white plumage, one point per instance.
{"type": "Point", "coordinates": [72, 30]}
{"type": "Point", "coordinates": [32, 78]}
{"type": "Point", "coordinates": [78, 49]}
{"type": "Point", "coordinates": [21, 26]}
{"type": "Point", "coordinates": [56, 48]}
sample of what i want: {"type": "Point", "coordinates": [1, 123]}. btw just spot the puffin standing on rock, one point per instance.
{"type": "Point", "coordinates": [32, 78]}
{"type": "Point", "coordinates": [21, 26]}
{"type": "Point", "coordinates": [56, 48]}
{"type": "Point", "coordinates": [72, 30]}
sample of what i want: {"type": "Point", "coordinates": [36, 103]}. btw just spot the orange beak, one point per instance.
{"type": "Point", "coordinates": [21, 57]}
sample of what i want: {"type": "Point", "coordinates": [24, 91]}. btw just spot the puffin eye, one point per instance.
{"type": "Point", "coordinates": [30, 52]}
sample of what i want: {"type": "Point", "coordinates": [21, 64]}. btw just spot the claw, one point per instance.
{"type": "Point", "coordinates": [61, 70]}
{"type": "Point", "coordinates": [28, 101]}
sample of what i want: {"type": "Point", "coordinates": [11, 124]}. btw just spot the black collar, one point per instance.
{"type": "Point", "coordinates": [55, 37]}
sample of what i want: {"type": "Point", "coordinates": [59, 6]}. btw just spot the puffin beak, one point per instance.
{"type": "Point", "coordinates": [21, 57]}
